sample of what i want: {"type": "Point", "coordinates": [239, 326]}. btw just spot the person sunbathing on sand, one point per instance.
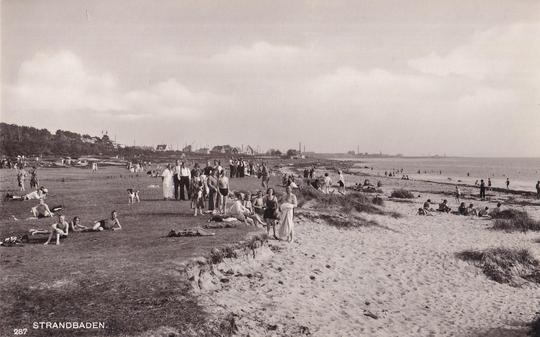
{"type": "Point", "coordinates": [110, 224]}
{"type": "Point", "coordinates": [427, 206]}
{"type": "Point", "coordinates": [60, 228]}
{"type": "Point", "coordinates": [443, 207]}
{"type": "Point", "coordinates": [462, 209]}
{"type": "Point", "coordinates": [471, 210]}
{"type": "Point", "coordinates": [238, 211]}
{"type": "Point", "coordinates": [496, 210]}
{"type": "Point", "coordinates": [483, 212]}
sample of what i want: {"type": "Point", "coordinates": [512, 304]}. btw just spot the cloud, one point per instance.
{"type": "Point", "coordinates": [372, 90]}
{"type": "Point", "coordinates": [259, 53]}
{"type": "Point", "coordinates": [497, 53]}
{"type": "Point", "coordinates": [60, 82]}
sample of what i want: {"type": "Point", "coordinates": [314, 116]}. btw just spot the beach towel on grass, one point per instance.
{"type": "Point", "coordinates": [11, 241]}
{"type": "Point", "coordinates": [221, 225]}
{"type": "Point", "coordinates": [189, 232]}
{"type": "Point", "coordinates": [287, 224]}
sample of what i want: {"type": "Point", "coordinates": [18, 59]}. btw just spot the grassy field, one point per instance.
{"type": "Point", "coordinates": [128, 279]}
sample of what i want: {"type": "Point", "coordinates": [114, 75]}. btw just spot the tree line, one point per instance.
{"type": "Point", "coordinates": [29, 141]}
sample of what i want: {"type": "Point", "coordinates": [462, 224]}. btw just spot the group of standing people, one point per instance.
{"type": "Point", "coordinates": [200, 185]}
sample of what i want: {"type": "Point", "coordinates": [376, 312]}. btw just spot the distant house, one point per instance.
{"type": "Point", "coordinates": [250, 151]}
{"type": "Point", "coordinates": [217, 149]}
{"type": "Point", "coordinates": [204, 150]}
{"type": "Point", "coordinates": [161, 147]}
{"type": "Point", "coordinates": [234, 150]}
{"type": "Point", "coordinates": [223, 149]}
{"type": "Point", "coordinates": [187, 149]}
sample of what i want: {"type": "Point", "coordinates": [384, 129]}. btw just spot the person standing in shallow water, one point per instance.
{"type": "Point", "coordinates": [507, 183]}
{"type": "Point", "coordinates": [538, 189]}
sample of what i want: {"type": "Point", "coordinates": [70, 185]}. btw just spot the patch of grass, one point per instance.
{"type": "Point", "coordinates": [347, 222]}
{"type": "Point", "coordinates": [515, 220]}
{"type": "Point", "coordinates": [402, 194]}
{"type": "Point", "coordinates": [508, 266]}
{"type": "Point", "coordinates": [535, 327]}
{"type": "Point", "coordinates": [377, 201]}
{"type": "Point", "coordinates": [353, 201]}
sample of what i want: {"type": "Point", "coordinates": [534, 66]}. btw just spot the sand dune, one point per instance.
{"type": "Point", "coordinates": [401, 281]}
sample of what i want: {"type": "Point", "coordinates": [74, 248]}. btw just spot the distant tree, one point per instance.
{"type": "Point", "coordinates": [292, 153]}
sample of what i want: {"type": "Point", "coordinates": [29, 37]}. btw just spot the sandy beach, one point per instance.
{"type": "Point", "coordinates": [398, 278]}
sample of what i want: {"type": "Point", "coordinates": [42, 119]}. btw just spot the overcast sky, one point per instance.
{"type": "Point", "coordinates": [411, 77]}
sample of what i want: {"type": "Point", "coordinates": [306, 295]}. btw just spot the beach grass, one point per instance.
{"type": "Point", "coordinates": [514, 220]}
{"type": "Point", "coordinates": [508, 266]}
{"type": "Point", "coordinates": [402, 194]}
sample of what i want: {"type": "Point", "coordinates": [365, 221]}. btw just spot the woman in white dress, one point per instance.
{"type": "Point", "coordinates": [289, 203]}
{"type": "Point", "coordinates": [168, 187]}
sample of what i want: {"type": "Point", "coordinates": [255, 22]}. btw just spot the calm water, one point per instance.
{"type": "Point", "coordinates": [523, 172]}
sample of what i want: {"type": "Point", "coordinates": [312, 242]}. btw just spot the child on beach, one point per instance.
{"type": "Point", "coordinates": [198, 199]}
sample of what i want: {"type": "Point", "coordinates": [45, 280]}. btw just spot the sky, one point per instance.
{"type": "Point", "coordinates": [411, 77]}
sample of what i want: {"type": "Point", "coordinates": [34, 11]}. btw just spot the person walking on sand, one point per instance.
{"type": "Point", "coordinates": [489, 184]}
{"type": "Point", "coordinates": [507, 183]}
{"type": "Point", "coordinates": [341, 182]}
{"type": "Point", "coordinates": [265, 176]}
{"type": "Point", "coordinates": [458, 193]}
{"type": "Point", "coordinates": [482, 189]}
{"type": "Point", "coordinates": [289, 203]}
{"type": "Point", "coordinates": [168, 184]}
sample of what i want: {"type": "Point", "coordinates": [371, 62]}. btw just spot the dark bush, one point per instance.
{"type": "Point", "coordinates": [402, 194]}
{"type": "Point", "coordinates": [514, 220]}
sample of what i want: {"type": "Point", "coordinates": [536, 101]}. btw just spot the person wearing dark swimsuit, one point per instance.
{"type": "Point", "coordinates": [270, 211]}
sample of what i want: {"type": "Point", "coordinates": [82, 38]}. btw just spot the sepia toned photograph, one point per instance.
{"type": "Point", "coordinates": [186, 168]}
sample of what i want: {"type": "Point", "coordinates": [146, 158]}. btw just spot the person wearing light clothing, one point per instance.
{"type": "Point", "coordinates": [327, 183]}
{"type": "Point", "coordinates": [289, 203]}
{"type": "Point", "coordinates": [168, 183]}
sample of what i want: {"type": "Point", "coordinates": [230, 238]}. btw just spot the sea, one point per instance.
{"type": "Point", "coordinates": [523, 173]}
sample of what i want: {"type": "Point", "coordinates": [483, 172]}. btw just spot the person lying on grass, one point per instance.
{"type": "Point", "coordinates": [40, 193]}
{"type": "Point", "coordinates": [41, 210]}
{"type": "Point", "coordinates": [75, 225]}
{"type": "Point", "coordinates": [112, 224]}
{"type": "Point", "coordinates": [60, 228]}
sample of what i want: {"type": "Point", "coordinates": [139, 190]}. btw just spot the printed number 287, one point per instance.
{"type": "Point", "coordinates": [20, 331]}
